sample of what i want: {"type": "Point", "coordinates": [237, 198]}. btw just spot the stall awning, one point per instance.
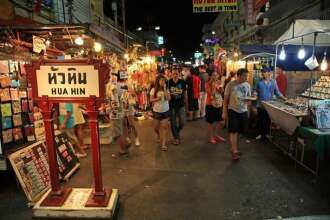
{"type": "Point", "coordinates": [305, 29]}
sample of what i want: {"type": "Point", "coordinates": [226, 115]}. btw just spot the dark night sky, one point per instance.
{"type": "Point", "coordinates": [181, 28]}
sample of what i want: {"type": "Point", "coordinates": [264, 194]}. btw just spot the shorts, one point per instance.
{"type": "Point", "coordinates": [237, 122]}
{"type": "Point", "coordinates": [117, 127]}
{"type": "Point", "coordinates": [193, 104]}
{"type": "Point", "coordinates": [213, 114]}
{"type": "Point", "coordinates": [161, 115]}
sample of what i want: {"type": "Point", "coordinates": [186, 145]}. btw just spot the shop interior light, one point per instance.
{"type": "Point", "coordinates": [282, 53]}
{"type": "Point", "coordinates": [47, 43]}
{"type": "Point", "coordinates": [126, 56]}
{"type": "Point", "coordinates": [324, 64]}
{"type": "Point", "coordinates": [139, 29]}
{"type": "Point", "coordinates": [157, 28]}
{"type": "Point", "coordinates": [213, 32]}
{"type": "Point", "coordinates": [79, 41]}
{"type": "Point", "coordinates": [97, 46]}
{"type": "Point", "coordinates": [302, 52]}
{"type": "Point", "coordinates": [235, 54]}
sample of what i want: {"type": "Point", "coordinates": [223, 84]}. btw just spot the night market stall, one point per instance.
{"type": "Point", "coordinates": [305, 116]}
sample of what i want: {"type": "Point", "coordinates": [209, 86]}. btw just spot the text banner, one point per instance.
{"type": "Point", "coordinates": [201, 6]}
{"type": "Point", "coordinates": [68, 81]}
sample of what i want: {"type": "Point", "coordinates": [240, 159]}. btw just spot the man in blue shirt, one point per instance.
{"type": "Point", "coordinates": [266, 89]}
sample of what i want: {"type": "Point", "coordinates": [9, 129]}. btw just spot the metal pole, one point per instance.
{"type": "Point", "coordinates": [275, 63]}
{"type": "Point", "coordinates": [123, 6]}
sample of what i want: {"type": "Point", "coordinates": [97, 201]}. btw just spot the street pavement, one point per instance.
{"type": "Point", "coordinates": [196, 180]}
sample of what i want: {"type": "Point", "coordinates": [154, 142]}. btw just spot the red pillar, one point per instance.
{"type": "Point", "coordinates": [57, 196]}
{"type": "Point", "coordinates": [99, 197]}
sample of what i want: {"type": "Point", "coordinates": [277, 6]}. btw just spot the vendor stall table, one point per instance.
{"type": "Point", "coordinates": [320, 142]}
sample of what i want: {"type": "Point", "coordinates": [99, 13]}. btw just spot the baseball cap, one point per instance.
{"type": "Point", "coordinates": [266, 69]}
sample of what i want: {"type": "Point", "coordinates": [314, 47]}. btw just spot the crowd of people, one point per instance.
{"type": "Point", "coordinates": [178, 93]}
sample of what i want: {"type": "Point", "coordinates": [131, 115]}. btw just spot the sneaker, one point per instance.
{"type": "Point", "coordinates": [164, 148]}
{"type": "Point", "coordinates": [235, 156]}
{"type": "Point", "coordinates": [137, 142]}
{"type": "Point", "coordinates": [259, 137]}
{"type": "Point", "coordinates": [81, 155]}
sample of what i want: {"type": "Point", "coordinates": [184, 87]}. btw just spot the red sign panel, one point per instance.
{"type": "Point", "coordinates": [258, 4]}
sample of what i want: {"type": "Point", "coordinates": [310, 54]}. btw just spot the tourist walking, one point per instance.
{"type": "Point", "coordinates": [235, 109]}
{"type": "Point", "coordinates": [193, 92]}
{"type": "Point", "coordinates": [159, 97]}
{"type": "Point", "coordinates": [214, 101]}
{"type": "Point", "coordinates": [177, 88]}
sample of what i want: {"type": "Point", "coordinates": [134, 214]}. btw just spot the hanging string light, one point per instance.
{"type": "Point", "coordinates": [301, 52]}
{"type": "Point", "coordinates": [282, 53]}
{"type": "Point", "coordinates": [79, 41]}
{"type": "Point", "coordinates": [324, 64]}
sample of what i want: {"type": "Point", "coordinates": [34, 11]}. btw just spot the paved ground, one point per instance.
{"type": "Point", "coordinates": [196, 181]}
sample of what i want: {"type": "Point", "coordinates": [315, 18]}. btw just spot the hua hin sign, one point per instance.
{"type": "Point", "coordinates": [68, 81]}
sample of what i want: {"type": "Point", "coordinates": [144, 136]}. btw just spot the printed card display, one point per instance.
{"type": "Point", "coordinates": [32, 170]}
{"type": "Point", "coordinates": [22, 94]}
{"type": "Point", "coordinates": [14, 94]}
{"type": "Point", "coordinates": [17, 107]}
{"type": "Point", "coordinates": [6, 109]}
{"type": "Point", "coordinates": [5, 95]}
{"type": "Point", "coordinates": [17, 120]}
{"type": "Point", "coordinates": [7, 136]}
{"type": "Point", "coordinates": [5, 81]}
{"type": "Point", "coordinates": [25, 107]}
{"type": "Point", "coordinates": [6, 123]}
{"type": "Point", "coordinates": [17, 134]}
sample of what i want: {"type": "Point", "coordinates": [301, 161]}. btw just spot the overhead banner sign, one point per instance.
{"type": "Point", "coordinates": [201, 6]}
{"type": "Point", "coordinates": [249, 13]}
{"type": "Point", "coordinates": [68, 81]}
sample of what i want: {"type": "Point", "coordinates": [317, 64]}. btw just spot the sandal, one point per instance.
{"type": "Point", "coordinates": [213, 141]}
{"type": "Point", "coordinates": [164, 148]}
{"type": "Point", "coordinates": [219, 138]}
{"type": "Point", "coordinates": [119, 154]}
{"type": "Point", "coordinates": [176, 142]}
{"type": "Point", "coordinates": [81, 155]}
{"type": "Point", "coordinates": [235, 156]}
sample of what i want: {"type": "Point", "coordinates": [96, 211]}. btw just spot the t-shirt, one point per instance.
{"type": "Point", "coordinates": [282, 83]}
{"type": "Point", "coordinates": [266, 91]}
{"type": "Point", "coordinates": [64, 109]}
{"type": "Point", "coordinates": [162, 105]}
{"type": "Point", "coordinates": [214, 96]}
{"type": "Point", "coordinates": [177, 90]}
{"type": "Point", "coordinates": [204, 78]}
{"type": "Point", "coordinates": [236, 93]}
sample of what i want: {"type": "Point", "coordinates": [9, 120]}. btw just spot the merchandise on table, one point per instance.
{"type": "Point", "coordinates": [287, 108]}
{"type": "Point", "coordinates": [320, 90]}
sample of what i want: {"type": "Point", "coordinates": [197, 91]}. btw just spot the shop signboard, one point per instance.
{"type": "Point", "coordinates": [201, 6]}
{"type": "Point", "coordinates": [38, 44]}
{"type": "Point", "coordinates": [249, 12]}
{"type": "Point", "coordinates": [67, 80]}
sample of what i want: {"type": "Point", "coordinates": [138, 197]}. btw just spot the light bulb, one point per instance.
{"type": "Point", "coordinates": [282, 54]}
{"type": "Point", "coordinates": [126, 56]}
{"type": "Point", "coordinates": [47, 43]}
{"type": "Point", "coordinates": [301, 53]}
{"type": "Point", "coordinates": [97, 47]}
{"type": "Point", "coordinates": [79, 41]}
{"type": "Point", "coordinates": [324, 64]}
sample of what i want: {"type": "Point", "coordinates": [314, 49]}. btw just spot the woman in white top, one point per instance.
{"type": "Point", "coordinates": [159, 97]}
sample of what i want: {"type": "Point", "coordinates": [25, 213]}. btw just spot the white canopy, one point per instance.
{"type": "Point", "coordinates": [306, 29]}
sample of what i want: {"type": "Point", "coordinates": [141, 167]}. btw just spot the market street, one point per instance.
{"type": "Point", "coordinates": [195, 180]}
